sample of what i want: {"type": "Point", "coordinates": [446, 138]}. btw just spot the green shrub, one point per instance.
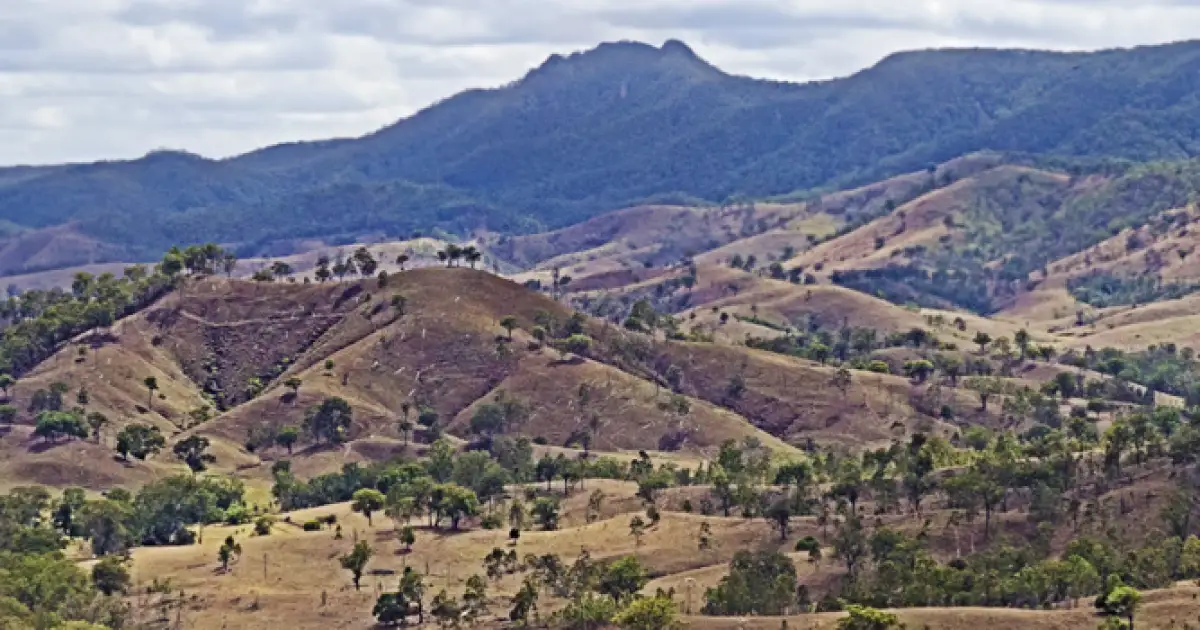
{"type": "Point", "coordinates": [262, 526]}
{"type": "Point", "coordinates": [808, 543]}
{"type": "Point", "coordinates": [237, 515]}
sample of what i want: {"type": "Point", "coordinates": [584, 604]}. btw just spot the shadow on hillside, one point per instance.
{"type": "Point", "coordinates": [97, 339]}
{"type": "Point", "coordinates": [391, 535]}
{"type": "Point", "coordinates": [41, 446]}
{"type": "Point", "coordinates": [317, 449]}
{"type": "Point", "coordinates": [128, 463]}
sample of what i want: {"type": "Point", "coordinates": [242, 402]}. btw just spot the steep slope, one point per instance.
{"type": "Point", "coordinates": [618, 125]}
{"type": "Point", "coordinates": [432, 339]}
{"type": "Point", "coordinates": [447, 352]}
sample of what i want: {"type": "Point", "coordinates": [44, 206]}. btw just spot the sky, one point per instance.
{"type": "Point", "coordinates": [83, 80]}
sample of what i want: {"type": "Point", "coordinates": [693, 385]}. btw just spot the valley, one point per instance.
{"type": "Point", "coordinates": [945, 380]}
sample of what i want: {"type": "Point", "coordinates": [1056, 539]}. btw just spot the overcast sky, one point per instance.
{"type": "Point", "coordinates": [102, 79]}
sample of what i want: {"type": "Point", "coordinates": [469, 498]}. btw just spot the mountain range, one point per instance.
{"type": "Point", "coordinates": [610, 127]}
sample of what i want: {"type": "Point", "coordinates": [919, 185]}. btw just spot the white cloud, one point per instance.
{"type": "Point", "coordinates": [92, 79]}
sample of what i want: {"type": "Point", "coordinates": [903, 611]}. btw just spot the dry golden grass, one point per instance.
{"type": "Point", "coordinates": [1043, 308]}
{"type": "Point", "coordinates": [281, 579]}
{"type": "Point", "coordinates": [26, 460]}
{"type": "Point", "coordinates": [631, 412]}
{"type": "Point", "coordinates": [609, 251]}
{"type": "Point", "coordinates": [292, 578]}
{"type": "Point", "coordinates": [769, 246]}
{"type": "Point", "coordinates": [114, 373]}
{"type": "Point", "coordinates": [1165, 251]}
{"type": "Point", "coordinates": [49, 247]}
{"type": "Point", "coordinates": [795, 399]}
{"type": "Point", "coordinates": [737, 292]}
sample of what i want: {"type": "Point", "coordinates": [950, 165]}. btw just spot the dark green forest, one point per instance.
{"type": "Point", "coordinates": [621, 123]}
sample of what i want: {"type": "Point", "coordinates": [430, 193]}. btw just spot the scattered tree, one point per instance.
{"type": "Point", "coordinates": [111, 575]}
{"type": "Point", "coordinates": [509, 323]}
{"type": "Point", "coordinates": [192, 450]}
{"type": "Point", "coordinates": [367, 501]}
{"type": "Point", "coordinates": [151, 384]}
{"type": "Point", "coordinates": [140, 441]}
{"type": "Point", "coordinates": [356, 561]}
{"type": "Point", "coordinates": [229, 551]}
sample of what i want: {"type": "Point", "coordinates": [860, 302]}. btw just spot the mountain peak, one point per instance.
{"type": "Point", "coordinates": [673, 56]}
{"type": "Point", "coordinates": [675, 46]}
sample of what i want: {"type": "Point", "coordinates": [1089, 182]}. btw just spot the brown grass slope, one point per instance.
{"type": "Point", "coordinates": [1164, 248]}
{"type": "Point", "coordinates": [112, 371]}
{"type": "Point", "coordinates": [51, 248]}
{"type": "Point", "coordinates": [630, 413]}
{"type": "Point", "coordinates": [737, 292]}
{"type": "Point", "coordinates": [448, 352]}
{"type": "Point", "coordinates": [929, 220]}
{"type": "Point", "coordinates": [791, 398]}
{"type": "Point", "coordinates": [645, 233]}
{"type": "Point", "coordinates": [26, 460]}
{"type": "Point", "coordinates": [280, 580]}
{"type": "Point", "coordinates": [611, 251]}
{"type": "Point", "coordinates": [444, 349]}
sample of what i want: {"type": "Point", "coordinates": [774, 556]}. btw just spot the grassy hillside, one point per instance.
{"type": "Point", "coordinates": [230, 347]}
{"type": "Point", "coordinates": [236, 360]}
{"type": "Point", "coordinates": [866, 452]}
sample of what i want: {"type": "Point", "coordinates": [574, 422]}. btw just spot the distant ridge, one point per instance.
{"type": "Point", "coordinates": [618, 124]}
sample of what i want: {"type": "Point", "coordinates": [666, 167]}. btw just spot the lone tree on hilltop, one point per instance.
{"type": "Point", "coordinates": [280, 269]}
{"type": "Point", "coordinates": [365, 261]}
{"type": "Point", "coordinates": [472, 255]}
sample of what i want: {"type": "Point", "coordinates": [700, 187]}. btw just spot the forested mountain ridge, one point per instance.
{"type": "Point", "coordinates": [623, 123]}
